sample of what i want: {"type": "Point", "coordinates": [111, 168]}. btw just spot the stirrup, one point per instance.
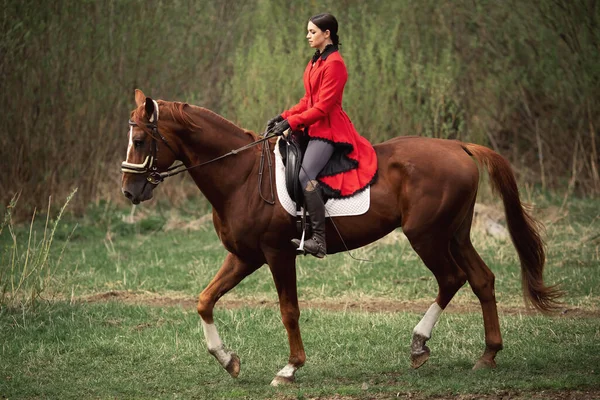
{"type": "Point", "coordinates": [300, 245]}
{"type": "Point", "coordinates": [319, 249]}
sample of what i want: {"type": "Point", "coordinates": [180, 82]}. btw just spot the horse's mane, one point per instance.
{"type": "Point", "coordinates": [188, 115]}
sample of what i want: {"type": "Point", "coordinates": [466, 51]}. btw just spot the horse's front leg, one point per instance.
{"type": "Point", "coordinates": [283, 268]}
{"type": "Point", "coordinates": [231, 273]}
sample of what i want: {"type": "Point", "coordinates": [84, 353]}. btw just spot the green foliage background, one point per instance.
{"type": "Point", "coordinates": [522, 77]}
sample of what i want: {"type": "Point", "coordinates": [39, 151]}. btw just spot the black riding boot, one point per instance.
{"type": "Point", "coordinates": [316, 208]}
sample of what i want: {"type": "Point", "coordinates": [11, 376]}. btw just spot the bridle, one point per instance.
{"type": "Point", "coordinates": [149, 166]}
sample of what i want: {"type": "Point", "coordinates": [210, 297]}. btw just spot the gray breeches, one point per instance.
{"type": "Point", "coordinates": [316, 156]}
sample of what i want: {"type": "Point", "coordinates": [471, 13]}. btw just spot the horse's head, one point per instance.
{"type": "Point", "coordinates": [148, 152]}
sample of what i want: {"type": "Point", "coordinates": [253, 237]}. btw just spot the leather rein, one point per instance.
{"type": "Point", "coordinates": [155, 177]}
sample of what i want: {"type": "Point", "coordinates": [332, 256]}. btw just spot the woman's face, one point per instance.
{"type": "Point", "coordinates": [317, 39]}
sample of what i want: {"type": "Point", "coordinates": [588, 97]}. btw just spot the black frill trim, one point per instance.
{"type": "Point", "coordinates": [339, 161]}
{"type": "Point", "coordinates": [338, 164]}
{"type": "Point", "coordinates": [331, 193]}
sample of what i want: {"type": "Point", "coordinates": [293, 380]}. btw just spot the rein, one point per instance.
{"type": "Point", "coordinates": [149, 165]}
{"type": "Point", "coordinates": [155, 177]}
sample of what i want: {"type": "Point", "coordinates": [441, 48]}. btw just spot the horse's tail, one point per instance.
{"type": "Point", "coordinates": [523, 229]}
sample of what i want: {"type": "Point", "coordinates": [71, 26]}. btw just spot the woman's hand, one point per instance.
{"type": "Point", "coordinates": [280, 128]}
{"type": "Point", "coordinates": [271, 123]}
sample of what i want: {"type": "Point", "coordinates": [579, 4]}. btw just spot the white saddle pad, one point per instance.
{"type": "Point", "coordinates": [355, 205]}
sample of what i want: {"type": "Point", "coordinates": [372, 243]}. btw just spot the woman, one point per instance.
{"type": "Point", "coordinates": [338, 162]}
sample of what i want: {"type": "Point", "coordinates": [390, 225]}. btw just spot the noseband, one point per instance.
{"type": "Point", "coordinates": [149, 165]}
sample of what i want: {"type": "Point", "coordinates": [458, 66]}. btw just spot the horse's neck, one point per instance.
{"type": "Point", "coordinates": [220, 179]}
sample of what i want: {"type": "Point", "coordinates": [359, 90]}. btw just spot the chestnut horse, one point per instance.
{"type": "Point", "coordinates": [425, 186]}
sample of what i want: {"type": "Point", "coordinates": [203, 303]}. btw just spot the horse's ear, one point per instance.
{"type": "Point", "coordinates": [140, 97]}
{"type": "Point", "coordinates": [149, 108]}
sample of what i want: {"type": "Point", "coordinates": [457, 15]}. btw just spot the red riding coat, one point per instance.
{"type": "Point", "coordinates": [353, 166]}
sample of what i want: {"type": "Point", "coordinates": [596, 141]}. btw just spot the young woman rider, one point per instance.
{"type": "Point", "coordinates": [338, 162]}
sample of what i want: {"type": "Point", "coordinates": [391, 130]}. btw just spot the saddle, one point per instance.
{"type": "Point", "coordinates": [288, 178]}
{"type": "Point", "coordinates": [290, 150]}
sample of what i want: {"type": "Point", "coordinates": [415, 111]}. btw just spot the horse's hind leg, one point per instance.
{"type": "Point", "coordinates": [481, 279]}
{"type": "Point", "coordinates": [435, 254]}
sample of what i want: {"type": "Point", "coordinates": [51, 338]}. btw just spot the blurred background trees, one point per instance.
{"type": "Point", "coordinates": [522, 77]}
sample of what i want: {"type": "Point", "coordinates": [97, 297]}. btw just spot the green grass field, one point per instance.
{"type": "Point", "coordinates": [111, 315]}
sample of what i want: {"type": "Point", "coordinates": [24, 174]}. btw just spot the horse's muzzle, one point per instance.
{"type": "Point", "coordinates": [137, 191]}
{"type": "Point", "coordinates": [138, 198]}
{"type": "Point", "coordinates": [134, 200]}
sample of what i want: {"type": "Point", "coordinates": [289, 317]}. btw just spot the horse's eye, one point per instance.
{"type": "Point", "coordinates": [138, 143]}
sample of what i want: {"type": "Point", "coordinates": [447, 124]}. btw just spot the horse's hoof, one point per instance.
{"type": "Point", "coordinates": [484, 364]}
{"type": "Point", "coordinates": [420, 358]}
{"type": "Point", "coordinates": [234, 366]}
{"type": "Point", "coordinates": [282, 381]}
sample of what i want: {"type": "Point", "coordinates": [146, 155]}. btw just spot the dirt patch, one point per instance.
{"type": "Point", "coordinates": [373, 305]}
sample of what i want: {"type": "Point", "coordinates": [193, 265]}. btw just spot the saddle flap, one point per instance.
{"type": "Point", "coordinates": [292, 149]}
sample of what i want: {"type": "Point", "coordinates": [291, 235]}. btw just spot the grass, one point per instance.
{"type": "Point", "coordinates": [66, 348]}
{"type": "Point", "coordinates": [125, 351]}
{"type": "Point", "coordinates": [26, 269]}
{"type": "Point", "coordinates": [167, 252]}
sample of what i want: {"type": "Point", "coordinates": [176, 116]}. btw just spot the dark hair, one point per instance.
{"type": "Point", "coordinates": [326, 21]}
